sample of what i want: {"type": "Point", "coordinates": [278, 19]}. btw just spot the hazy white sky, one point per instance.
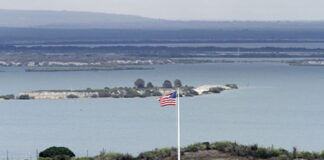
{"type": "Point", "coordinates": [186, 9]}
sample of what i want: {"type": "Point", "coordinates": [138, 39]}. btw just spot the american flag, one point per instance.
{"type": "Point", "coordinates": [168, 100]}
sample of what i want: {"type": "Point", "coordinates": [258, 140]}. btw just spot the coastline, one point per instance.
{"type": "Point", "coordinates": [120, 92]}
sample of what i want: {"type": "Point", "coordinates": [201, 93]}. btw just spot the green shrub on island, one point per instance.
{"type": "Point", "coordinates": [24, 97]}
{"type": "Point", "coordinates": [233, 86]}
{"type": "Point", "coordinates": [216, 89]}
{"type": "Point", "coordinates": [147, 93]}
{"type": "Point", "coordinates": [44, 158]}
{"type": "Point", "coordinates": [72, 96]}
{"type": "Point", "coordinates": [94, 96]}
{"type": "Point", "coordinates": [156, 93]}
{"type": "Point", "coordinates": [158, 154]}
{"type": "Point", "coordinates": [8, 97]}
{"type": "Point", "coordinates": [196, 147]}
{"type": "Point", "coordinates": [188, 91]}
{"type": "Point", "coordinates": [105, 93]}
{"type": "Point", "coordinates": [56, 153]}
{"type": "Point", "coordinates": [113, 156]}
{"type": "Point", "coordinates": [131, 93]}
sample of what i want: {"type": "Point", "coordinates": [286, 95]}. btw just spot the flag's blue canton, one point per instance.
{"type": "Point", "coordinates": [173, 95]}
{"type": "Point", "coordinates": [169, 99]}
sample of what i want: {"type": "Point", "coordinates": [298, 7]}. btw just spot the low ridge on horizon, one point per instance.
{"type": "Point", "coordinates": [84, 20]}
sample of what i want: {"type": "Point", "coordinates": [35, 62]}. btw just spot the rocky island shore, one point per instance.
{"type": "Point", "coordinates": [139, 90]}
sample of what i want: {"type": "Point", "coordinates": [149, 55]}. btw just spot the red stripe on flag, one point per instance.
{"type": "Point", "coordinates": [167, 101]}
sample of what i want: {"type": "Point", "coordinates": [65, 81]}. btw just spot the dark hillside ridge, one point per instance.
{"type": "Point", "coordinates": [73, 20]}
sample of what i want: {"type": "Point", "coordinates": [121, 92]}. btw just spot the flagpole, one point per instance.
{"type": "Point", "coordinates": [179, 152]}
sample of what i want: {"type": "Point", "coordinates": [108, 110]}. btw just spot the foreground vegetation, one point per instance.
{"type": "Point", "coordinates": [204, 150]}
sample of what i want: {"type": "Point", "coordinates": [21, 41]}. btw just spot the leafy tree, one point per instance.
{"type": "Point", "coordinates": [26, 96]}
{"type": "Point", "coordinates": [149, 85]}
{"type": "Point", "coordinates": [167, 84]}
{"type": "Point", "coordinates": [177, 83]}
{"type": "Point", "coordinates": [57, 153]}
{"type": "Point", "coordinates": [139, 83]}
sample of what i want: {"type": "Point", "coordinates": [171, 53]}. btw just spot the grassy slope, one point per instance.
{"type": "Point", "coordinates": [208, 155]}
{"type": "Point", "coordinates": [214, 151]}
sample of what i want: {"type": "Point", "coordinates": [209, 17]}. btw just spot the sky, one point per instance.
{"type": "Point", "coordinates": [259, 10]}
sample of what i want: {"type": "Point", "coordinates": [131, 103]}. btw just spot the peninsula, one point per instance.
{"type": "Point", "coordinates": [140, 89]}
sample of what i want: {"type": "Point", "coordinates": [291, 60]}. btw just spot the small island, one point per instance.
{"type": "Point", "coordinates": [140, 89]}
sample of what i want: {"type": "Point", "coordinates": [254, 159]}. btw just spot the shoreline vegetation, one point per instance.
{"type": "Point", "coordinates": [71, 69]}
{"type": "Point", "coordinates": [140, 89]}
{"type": "Point", "coordinates": [137, 64]}
{"type": "Point", "coordinates": [314, 62]}
{"type": "Point", "coordinates": [304, 62]}
{"type": "Point", "coordinates": [204, 151]}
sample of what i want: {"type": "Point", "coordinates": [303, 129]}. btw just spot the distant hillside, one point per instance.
{"type": "Point", "coordinates": [86, 20]}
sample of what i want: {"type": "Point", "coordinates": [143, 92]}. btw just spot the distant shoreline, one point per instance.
{"type": "Point", "coordinates": [120, 92]}
{"type": "Point", "coordinates": [75, 69]}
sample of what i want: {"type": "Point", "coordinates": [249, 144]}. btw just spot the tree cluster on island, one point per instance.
{"type": "Point", "coordinates": [140, 83]}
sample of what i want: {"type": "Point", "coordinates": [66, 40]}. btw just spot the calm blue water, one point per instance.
{"type": "Point", "coordinates": [276, 104]}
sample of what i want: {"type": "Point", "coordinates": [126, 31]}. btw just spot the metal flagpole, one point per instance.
{"type": "Point", "coordinates": [179, 152]}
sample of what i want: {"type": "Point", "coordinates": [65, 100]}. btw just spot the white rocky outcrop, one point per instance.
{"type": "Point", "coordinates": [58, 94]}
{"type": "Point", "coordinates": [205, 88]}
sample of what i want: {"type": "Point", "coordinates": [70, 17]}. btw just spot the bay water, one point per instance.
{"type": "Point", "coordinates": [276, 105]}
